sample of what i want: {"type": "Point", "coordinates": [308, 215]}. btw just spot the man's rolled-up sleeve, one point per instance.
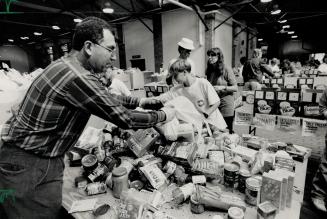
{"type": "Point", "coordinates": [89, 95]}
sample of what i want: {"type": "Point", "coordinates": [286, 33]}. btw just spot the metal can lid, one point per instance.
{"type": "Point", "coordinates": [266, 208]}
{"type": "Point", "coordinates": [137, 184]}
{"type": "Point", "coordinates": [89, 160]}
{"type": "Point", "coordinates": [231, 167]}
{"type": "Point", "coordinates": [119, 171]}
{"type": "Point", "coordinates": [235, 213]}
{"type": "Point", "coordinates": [245, 173]}
{"type": "Point", "coordinates": [253, 183]}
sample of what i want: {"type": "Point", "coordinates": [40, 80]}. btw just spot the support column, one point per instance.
{"type": "Point", "coordinates": [157, 41]}
{"type": "Point", "coordinates": [121, 46]}
{"type": "Point", "coordinates": [210, 34]}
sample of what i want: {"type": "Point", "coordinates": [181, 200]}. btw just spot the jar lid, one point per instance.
{"type": "Point", "coordinates": [235, 213]}
{"type": "Point", "coordinates": [266, 208]}
{"type": "Point", "coordinates": [245, 172]}
{"type": "Point", "coordinates": [89, 160]}
{"type": "Point", "coordinates": [253, 183]}
{"type": "Point", "coordinates": [119, 171]}
{"type": "Point", "coordinates": [231, 167]}
{"type": "Point", "coordinates": [137, 184]}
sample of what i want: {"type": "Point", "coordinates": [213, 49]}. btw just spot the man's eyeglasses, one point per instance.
{"type": "Point", "coordinates": [108, 49]}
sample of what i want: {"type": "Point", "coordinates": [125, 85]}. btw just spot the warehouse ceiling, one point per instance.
{"type": "Point", "coordinates": [19, 18]}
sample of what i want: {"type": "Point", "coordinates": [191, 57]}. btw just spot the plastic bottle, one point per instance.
{"type": "Point", "coordinates": [180, 194]}
{"type": "Point", "coordinates": [119, 181]}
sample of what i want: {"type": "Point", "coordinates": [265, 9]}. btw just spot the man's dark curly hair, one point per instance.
{"type": "Point", "coordinates": [91, 28]}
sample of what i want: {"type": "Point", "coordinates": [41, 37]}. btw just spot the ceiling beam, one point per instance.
{"type": "Point", "coordinates": [43, 8]}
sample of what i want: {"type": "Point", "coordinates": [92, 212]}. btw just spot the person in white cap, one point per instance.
{"type": "Point", "coordinates": [185, 46]}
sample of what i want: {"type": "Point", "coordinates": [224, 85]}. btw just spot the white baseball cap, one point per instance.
{"type": "Point", "coordinates": [186, 43]}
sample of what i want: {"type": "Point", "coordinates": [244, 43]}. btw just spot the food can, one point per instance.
{"type": "Point", "coordinates": [96, 188]}
{"type": "Point", "coordinates": [200, 179]}
{"type": "Point", "coordinates": [231, 172]}
{"type": "Point", "coordinates": [89, 162]}
{"type": "Point", "coordinates": [98, 173]}
{"type": "Point", "coordinates": [252, 191]}
{"type": "Point", "coordinates": [243, 176]}
{"type": "Point", "coordinates": [266, 210]}
{"type": "Point", "coordinates": [235, 213]}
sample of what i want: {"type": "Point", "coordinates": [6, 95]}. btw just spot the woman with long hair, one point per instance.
{"type": "Point", "coordinates": [223, 80]}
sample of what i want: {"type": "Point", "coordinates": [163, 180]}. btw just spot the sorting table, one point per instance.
{"type": "Point", "coordinates": [71, 193]}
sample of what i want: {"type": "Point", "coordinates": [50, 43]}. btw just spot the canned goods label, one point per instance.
{"type": "Point", "coordinates": [252, 191]}
{"type": "Point", "coordinates": [201, 179]}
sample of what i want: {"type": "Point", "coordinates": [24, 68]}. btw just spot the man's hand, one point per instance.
{"type": "Point", "coordinates": [149, 103]}
{"type": "Point", "coordinates": [170, 113]}
{"type": "Point", "coordinates": [219, 87]}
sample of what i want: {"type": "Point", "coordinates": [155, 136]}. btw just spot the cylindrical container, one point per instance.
{"type": "Point", "coordinates": [196, 208]}
{"type": "Point", "coordinates": [119, 181]}
{"type": "Point", "coordinates": [127, 164]}
{"type": "Point", "coordinates": [185, 131]}
{"type": "Point", "coordinates": [111, 162]}
{"type": "Point", "coordinates": [235, 213]}
{"type": "Point", "coordinates": [137, 184]}
{"type": "Point", "coordinates": [243, 176]}
{"type": "Point", "coordinates": [98, 173]}
{"type": "Point", "coordinates": [252, 191]}
{"type": "Point", "coordinates": [89, 162]}
{"type": "Point", "coordinates": [99, 153]}
{"type": "Point", "coordinates": [116, 140]}
{"type": "Point", "coordinates": [96, 188]}
{"type": "Point", "coordinates": [180, 194]}
{"type": "Point", "coordinates": [108, 143]}
{"type": "Point", "coordinates": [266, 210]}
{"type": "Point", "coordinates": [231, 175]}
{"type": "Point", "coordinates": [200, 179]}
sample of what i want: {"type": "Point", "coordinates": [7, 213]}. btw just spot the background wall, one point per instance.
{"type": "Point", "coordinates": [138, 40]}
{"type": "Point", "coordinates": [175, 25]}
{"type": "Point", "coordinates": [18, 57]}
{"type": "Point", "coordinates": [224, 37]}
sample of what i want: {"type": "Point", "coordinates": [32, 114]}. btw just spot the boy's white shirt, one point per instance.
{"type": "Point", "coordinates": [119, 88]}
{"type": "Point", "coordinates": [202, 94]}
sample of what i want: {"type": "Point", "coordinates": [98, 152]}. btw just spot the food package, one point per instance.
{"type": "Point", "coordinates": [142, 140]}
{"type": "Point", "coordinates": [182, 153]}
{"type": "Point", "coordinates": [209, 168]}
{"type": "Point", "coordinates": [154, 175]}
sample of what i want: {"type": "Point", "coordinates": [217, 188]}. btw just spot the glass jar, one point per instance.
{"type": "Point", "coordinates": [119, 181]}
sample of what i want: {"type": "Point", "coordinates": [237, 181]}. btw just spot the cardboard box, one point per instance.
{"type": "Point", "coordinates": [136, 78]}
{"type": "Point", "coordinates": [277, 82]}
{"type": "Point", "coordinates": [148, 78]}
{"type": "Point", "coordinates": [151, 89]}
{"type": "Point", "coordinates": [264, 101]}
{"type": "Point", "coordinates": [142, 140]}
{"type": "Point", "coordinates": [288, 102]}
{"type": "Point", "coordinates": [290, 82]}
{"type": "Point", "coordinates": [126, 78]}
{"type": "Point", "coordinates": [305, 81]}
{"type": "Point", "coordinates": [310, 103]}
{"type": "Point", "coordinates": [320, 83]}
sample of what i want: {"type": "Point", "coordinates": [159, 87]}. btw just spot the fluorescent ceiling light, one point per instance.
{"type": "Point", "coordinates": [38, 33]}
{"type": "Point", "coordinates": [55, 27]}
{"type": "Point", "coordinates": [260, 39]}
{"type": "Point", "coordinates": [77, 20]}
{"type": "Point", "coordinates": [282, 21]}
{"type": "Point", "coordinates": [294, 36]}
{"type": "Point", "coordinates": [290, 32]}
{"type": "Point", "coordinates": [286, 26]}
{"type": "Point", "coordinates": [11, 40]}
{"type": "Point", "coordinates": [275, 12]}
{"type": "Point", "coordinates": [24, 38]}
{"type": "Point", "coordinates": [265, 1]}
{"type": "Point", "coordinates": [108, 10]}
